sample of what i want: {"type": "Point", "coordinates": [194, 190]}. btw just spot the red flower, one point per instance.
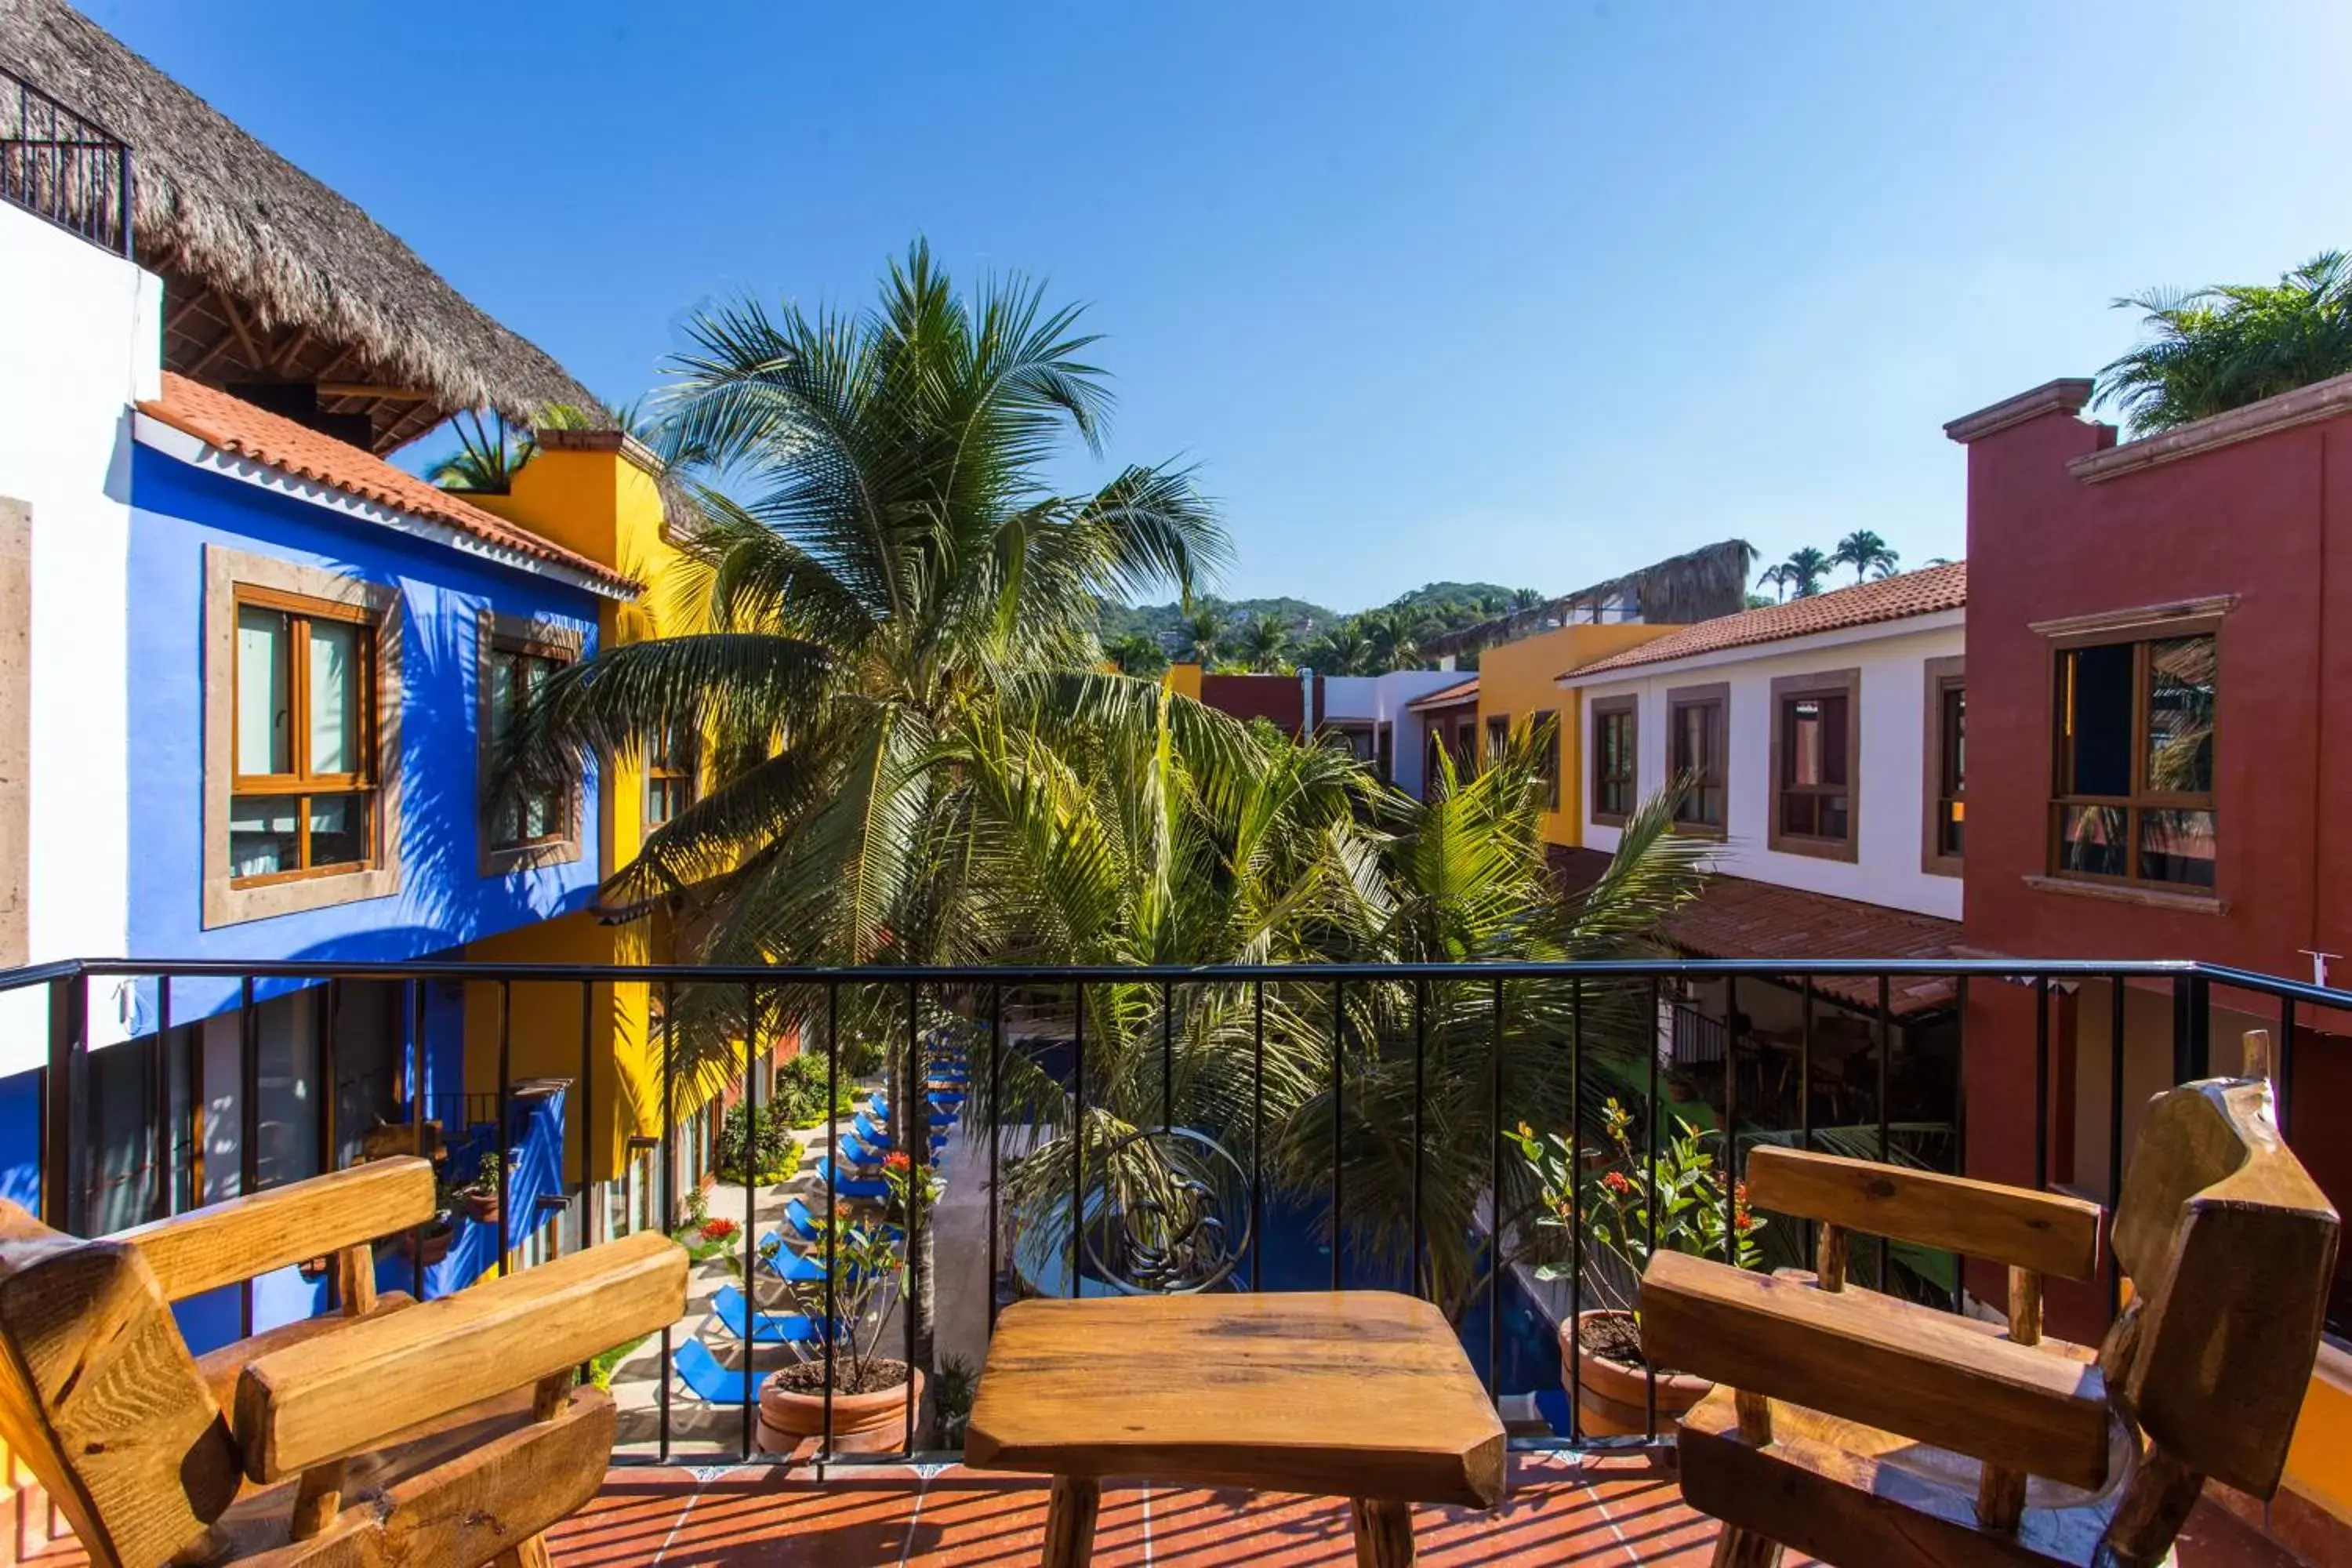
{"type": "Point", "coordinates": [1616, 1182]}
{"type": "Point", "coordinates": [718, 1229]}
{"type": "Point", "coordinates": [897, 1161]}
{"type": "Point", "coordinates": [1742, 1223]}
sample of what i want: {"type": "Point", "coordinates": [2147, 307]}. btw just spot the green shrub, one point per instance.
{"type": "Point", "coordinates": [799, 1096]}
{"type": "Point", "coordinates": [775, 1155]}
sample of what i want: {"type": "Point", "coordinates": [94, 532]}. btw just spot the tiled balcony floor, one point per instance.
{"type": "Point", "coordinates": [1562, 1513]}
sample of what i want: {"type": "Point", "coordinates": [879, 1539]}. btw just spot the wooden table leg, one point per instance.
{"type": "Point", "coordinates": [1384, 1533]}
{"type": "Point", "coordinates": [1070, 1521]}
{"type": "Point", "coordinates": [1738, 1548]}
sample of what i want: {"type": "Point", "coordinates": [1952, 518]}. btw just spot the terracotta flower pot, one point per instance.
{"type": "Point", "coordinates": [437, 1240]}
{"type": "Point", "coordinates": [480, 1205]}
{"type": "Point", "coordinates": [862, 1422]}
{"type": "Point", "coordinates": [1612, 1395]}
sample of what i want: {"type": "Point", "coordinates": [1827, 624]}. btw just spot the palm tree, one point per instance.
{"type": "Point", "coordinates": [1868, 554]}
{"type": "Point", "coordinates": [488, 457]}
{"type": "Point", "coordinates": [1524, 599]}
{"type": "Point", "coordinates": [1264, 638]}
{"type": "Point", "coordinates": [1137, 653]}
{"type": "Point", "coordinates": [1776, 578]}
{"type": "Point", "coordinates": [1394, 635]}
{"type": "Point", "coordinates": [1197, 840]}
{"type": "Point", "coordinates": [1342, 649]}
{"type": "Point", "coordinates": [1803, 571]}
{"type": "Point", "coordinates": [2214, 349]}
{"type": "Point", "coordinates": [1203, 634]}
{"type": "Point", "coordinates": [897, 573]}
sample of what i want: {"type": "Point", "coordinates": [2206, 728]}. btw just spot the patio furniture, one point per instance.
{"type": "Point", "coordinates": [712, 1383]}
{"type": "Point", "coordinates": [1864, 1430]}
{"type": "Point", "coordinates": [1363, 1394]}
{"type": "Point", "coordinates": [452, 1427]}
{"type": "Point", "coordinates": [864, 1189]}
{"type": "Point", "coordinates": [732, 1310]}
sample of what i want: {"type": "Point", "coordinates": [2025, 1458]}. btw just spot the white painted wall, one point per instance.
{"type": "Point", "coordinates": [1381, 700]}
{"type": "Point", "coordinates": [1892, 657]}
{"type": "Point", "coordinates": [82, 331]}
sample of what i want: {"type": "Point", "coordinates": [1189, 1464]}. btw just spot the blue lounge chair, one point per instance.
{"type": "Point", "coordinates": [801, 1223]}
{"type": "Point", "coordinates": [774, 1328]}
{"type": "Point", "coordinates": [845, 1185]}
{"type": "Point", "coordinates": [711, 1383]}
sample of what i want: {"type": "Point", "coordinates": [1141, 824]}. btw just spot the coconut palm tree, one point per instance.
{"type": "Point", "coordinates": [1137, 653]}
{"type": "Point", "coordinates": [1192, 840]}
{"type": "Point", "coordinates": [1204, 636]}
{"type": "Point", "coordinates": [1524, 599]}
{"type": "Point", "coordinates": [1342, 649]}
{"type": "Point", "coordinates": [2214, 349]}
{"type": "Point", "coordinates": [1803, 571]}
{"type": "Point", "coordinates": [1776, 579]}
{"type": "Point", "coordinates": [488, 457]}
{"type": "Point", "coordinates": [1866, 553]}
{"type": "Point", "coordinates": [1394, 635]}
{"type": "Point", "coordinates": [1263, 640]}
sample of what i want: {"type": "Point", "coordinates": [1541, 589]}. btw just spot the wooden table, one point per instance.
{"type": "Point", "coordinates": [1357, 1393]}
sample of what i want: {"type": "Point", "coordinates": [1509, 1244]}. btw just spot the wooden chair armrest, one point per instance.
{"type": "Point", "coordinates": [2043, 1232]}
{"type": "Point", "coordinates": [344, 1392]}
{"type": "Point", "coordinates": [243, 1239]}
{"type": "Point", "coordinates": [1917, 1373]}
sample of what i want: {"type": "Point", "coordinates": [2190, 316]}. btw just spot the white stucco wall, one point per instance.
{"type": "Point", "coordinates": [82, 331]}
{"type": "Point", "coordinates": [1380, 700]}
{"type": "Point", "coordinates": [1891, 796]}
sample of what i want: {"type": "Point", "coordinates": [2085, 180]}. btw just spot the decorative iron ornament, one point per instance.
{"type": "Point", "coordinates": [1171, 1214]}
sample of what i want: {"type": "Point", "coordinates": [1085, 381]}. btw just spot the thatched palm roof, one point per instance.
{"type": "Point", "coordinates": [1698, 587]}
{"type": "Point", "coordinates": [269, 275]}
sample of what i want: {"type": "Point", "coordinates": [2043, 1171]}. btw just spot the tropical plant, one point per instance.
{"type": "Point", "coordinates": [798, 1093]}
{"type": "Point", "coordinates": [898, 586]}
{"type": "Point", "coordinates": [1342, 649]}
{"type": "Point", "coordinates": [2212, 350]}
{"type": "Point", "coordinates": [1524, 599]}
{"type": "Point", "coordinates": [1204, 632]}
{"type": "Point", "coordinates": [1395, 637]}
{"type": "Point", "coordinates": [1138, 654]}
{"type": "Point", "coordinates": [1803, 571]}
{"type": "Point", "coordinates": [775, 1154]}
{"type": "Point", "coordinates": [488, 457]}
{"type": "Point", "coordinates": [1638, 1203]}
{"type": "Point", "coordinates": [1866, 553]}
{"type": "Point", "coordinates": [1264, 638]}
{"type": "Point", "coordinates": [1775, 577]}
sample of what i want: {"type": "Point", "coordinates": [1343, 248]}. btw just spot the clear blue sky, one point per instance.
{"type": "Point", "coordinates": [1532, 293]}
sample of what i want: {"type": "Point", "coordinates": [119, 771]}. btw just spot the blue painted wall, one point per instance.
{"type": "Point", "coordinates": [444, 901]}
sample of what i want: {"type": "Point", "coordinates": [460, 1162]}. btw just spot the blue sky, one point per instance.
{"type": "Point", "coordinates": [1528, 293]}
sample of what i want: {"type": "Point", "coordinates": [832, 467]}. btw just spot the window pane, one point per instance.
{"type": "Point", "coordinates": [1955, 823]}
{"type": "Point", "coordinates": [1813, 743]}
{"type": "Point", "coordinates": [2177, 846]}
{"type": "Point", "coordinates": [335, 683]}
{"type": "Point", "coordinates": [2092, 839]}
{"type": "Point", "coordinates": [541, 815]}
{"type": "Point", "coordinates": [264, 736]}
{"type": "Point", "coordinates": [1833, 817]}
{"type": "Point", "coordinates": [502, 682]}
{"type": "Point", "coordinates": [264, 835]}
{"type": "Point", "coordinates": [2099, 719]}
{"type": "Point", "coordinates": [1956, 739]}
{"type": "Point", "coordinates": [338, 829]}
{"type": "Point", "coordinates": [2181, 716]}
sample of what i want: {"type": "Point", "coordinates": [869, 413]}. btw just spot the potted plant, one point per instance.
{"type": "Point", "coordinates": [479, 1198]}
{"type": "Point", "coordinates": [1611, 1377]}
{"type": "Point", "coordinates": [869, 1390]}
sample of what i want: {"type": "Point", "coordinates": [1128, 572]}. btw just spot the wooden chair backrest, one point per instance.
{"type": "Point", "coordinates": [101, 1398]}
{"type": "Point", "coordinates": [2045, 1232]}
{"type": "Point", "coordinates": [2230, 1247]}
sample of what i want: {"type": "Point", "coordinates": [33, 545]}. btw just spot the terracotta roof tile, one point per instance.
{"type": "Point", "coordinates": [233, 425]}
{"type": "Point", "coordinates": [1446, 696]}
{"type": "Point", "coordinates": [1922, 593]}
{"type": "Point", "coordinates": [1738, 917]}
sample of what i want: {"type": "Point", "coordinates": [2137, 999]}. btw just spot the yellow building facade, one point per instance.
{"type": "Point", "coordinates": [1519, 685]}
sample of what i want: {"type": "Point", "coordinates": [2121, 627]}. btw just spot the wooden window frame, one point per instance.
{"type": "Point", "coordinates": [532, 637]}
{"type": "Point", "coordinates": [1628, 707]}
{"type": "Point", "coordinates": [300, 784]}
{"type": "Point", "coordinates": [1549, 760]}
{"type": "Point", "coordinates": [1942, 676]}
{"type": "Point", "coordinates": [1787, 688]}
{"type": "Point", "coordinates": [1716, 696]}
{"type": "Point", "coordinates": [2137, 635]}
{"type": "Point", "coordinates": [233, 578]}
{"type": "Point", "coordinates": [662, 766]}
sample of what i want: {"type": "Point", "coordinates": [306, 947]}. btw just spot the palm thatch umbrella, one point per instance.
{"type": "Point", "coordinates": [1688, 588]}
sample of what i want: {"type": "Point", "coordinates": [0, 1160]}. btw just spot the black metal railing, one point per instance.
{"type": "Point", "coordinates": [1306, 1067]}
{"type": "Point", "coordinates": [64, 166]}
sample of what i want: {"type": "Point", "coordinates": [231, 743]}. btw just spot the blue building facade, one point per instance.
{"type": "Point", "coordinates": [320, 649]}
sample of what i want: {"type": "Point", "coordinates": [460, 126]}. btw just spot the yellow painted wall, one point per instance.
{"type": "Point", "coordinates": [1183, 679]}
{"type": "Point", "coordinates": [1519, 679]}
{"type": "Point", "coordinates": [2319, 1464]}
{"type": "Point", "coordinates": [595, 493]}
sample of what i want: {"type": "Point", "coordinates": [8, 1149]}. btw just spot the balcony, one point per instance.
{"type": "Point", "coordinates": [63, 166]}
{"type": "Point", "coordinates": [1369, 1064]}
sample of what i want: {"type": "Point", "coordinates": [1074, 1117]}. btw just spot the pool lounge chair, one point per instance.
{"type": "Point", "coordinates": [729, 1307]}
{"type": "Point", "coordinates": [710, 1382]}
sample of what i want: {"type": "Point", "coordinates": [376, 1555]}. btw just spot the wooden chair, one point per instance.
{"type": "Point", "coordinates": [392, 1433]}
{"type": "Point", "coordinates": [1868, 1431]}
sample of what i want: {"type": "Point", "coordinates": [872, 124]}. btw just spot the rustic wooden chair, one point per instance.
{"type": "Point", "coordinates": [390, 1434]}
{"type": "Point", "coordinates": [1866, 1431]}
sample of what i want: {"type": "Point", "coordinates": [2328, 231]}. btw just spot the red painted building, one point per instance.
{"type": "Point", "coordinates": [2159, 659]}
